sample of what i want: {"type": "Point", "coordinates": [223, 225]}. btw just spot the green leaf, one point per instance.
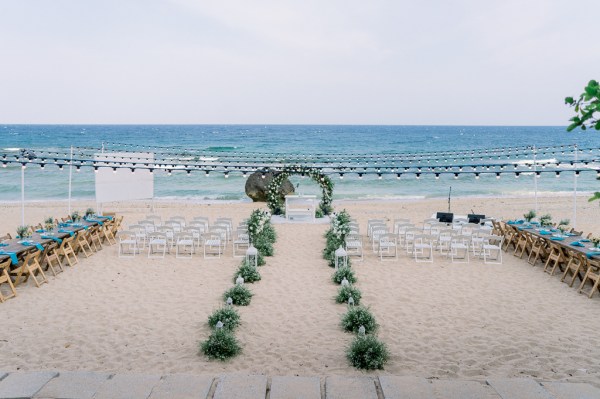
{"type": "Point", "coordinates": [595, 197]}
{"type": "Point", "coordinates": [572, 127]}
{"type": "Point", "coordinates": [597, 126]}
{"type": "Point", "coordinates": [569, 100]}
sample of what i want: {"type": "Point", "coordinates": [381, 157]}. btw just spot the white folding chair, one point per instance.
{"type": "Point", "coordinates": [388, 246]}
{"type": "Point", "coordinates": [241, 242]}
{"type": "Point", "coordinates": [180, 220]}
{"type": "Point", "coordinates": [377, 231]}
{"type": "Point", "coordinates": [491, 246]}
{"type": "Point", "coordinates": [354, 245]}
{"type": "Point", "coordinates": [184, 245]}
{"type": "Point", "coordinates": [127, 244]}
{"type": "Point", "coordinates": [212, 245]}
{"type": "Point", "coordinates": [459, 249]}
{"type": "Point", "coordinates": [157, 244]}
{"type": "Point", "coordinates": [141, 234]}
{"type": "Point", "coordinates": [423, 248]}
{"type": "Point", "coordinates": [155, 219]}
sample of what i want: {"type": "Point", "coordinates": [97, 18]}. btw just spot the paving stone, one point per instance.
{"type": "Point", "coordinates": [350, 388]}
{"type": "Point", "coordinates": [241, 386]}
{"type": "Point", "coordinates": [295, 387]}
{"type": "Point", "coordinates": [73, 385]}
{"type": "Point", "coordinates": [24, 385]}
{"type": "Point", "coordinates": [571, 390]}
{"type": "Point", "coordinates": [461, 389]}
{"type": "Point", "coordinates": [128, 386]}
{"type": "Point", "coordinates": [182, 386]}
{"type": "Point", "coordinates": [401, 387]}
{"type": "Point", "coordinates": [519, 388]}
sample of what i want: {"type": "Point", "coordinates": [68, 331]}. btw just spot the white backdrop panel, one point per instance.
{"type": "Point", "coordinates": [123, 185]}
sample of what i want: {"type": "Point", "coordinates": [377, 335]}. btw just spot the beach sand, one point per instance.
{"type": "Point", "coordinates": [439, 320]}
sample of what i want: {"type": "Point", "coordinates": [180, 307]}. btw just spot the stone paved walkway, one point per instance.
{"type": "Point", "coordinates": [92, 385]}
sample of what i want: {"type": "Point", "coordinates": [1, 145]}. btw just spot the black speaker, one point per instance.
{"type": "Point", "coordinates": [474, 218]}
{"type": "Point", "coordinates": [444, 217]}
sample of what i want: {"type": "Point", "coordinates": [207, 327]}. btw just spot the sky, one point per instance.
{"type": "Point", "coordinates": [398, 62]}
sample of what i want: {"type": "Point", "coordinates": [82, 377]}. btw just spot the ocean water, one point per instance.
{"type": "Point", "coordinates": [260, 143]}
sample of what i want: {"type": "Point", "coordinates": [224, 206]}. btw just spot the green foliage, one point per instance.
{"type": "Point", "coordinates": [240, 294]}
{"type": "Point", "coordinates": [226, 315]}
{"type": "Point", "coordinates": [269, 234]}
{"type": "Point", "coordinates": [263, 246]}
{"type": "Point", "coordinates": [221, 345]}
{"type": "Point", "coordinates": [342, 272]}
{"type": "Point", "coordinates": [249, 273]}
{"type": "Point", "coordinates": [367, 353]}
{"type": "Point", "coordinates": [587, 108]}
{"type": "Point", "coordinates": [260, 261]}
{"type": "Point", "coordinates": [89, 212]}
{"type": "Point", "coordinates": [75, 216]}
{"type": "Point", "coordinates": [529, 216]}
{"type": "Point", "coordinates": [319, 213]}
{"type": "Point", "coordinates": [336, 236]}
{"type": "Point", "coordinates": [546, 220]}
{"type": "Point", "coordinates": [22, 231]}
{"type": "Point", "coordinates": [346, 292]}
{"type": "Point", "coordinates": [595, 197]}
{"type": "Point", "coordinates": [49, 220]}
{"type": "Point", "coordinates": [357, 316]}
{"type": "Point", "coordinates": [564, 222]}
{"type": "Point", "coordinates": [261, 232]}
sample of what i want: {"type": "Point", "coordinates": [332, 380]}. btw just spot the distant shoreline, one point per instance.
{"type": "Point", "coordinates": [407, 199]}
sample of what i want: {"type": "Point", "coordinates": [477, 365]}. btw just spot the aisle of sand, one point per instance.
{"type": "Point", "coordinates": [439, 320]}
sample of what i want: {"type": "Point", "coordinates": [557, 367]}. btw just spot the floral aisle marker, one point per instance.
{"type": "Point", "coordinates": [365, 351]}
{"type": "Point", "coordinates": [222, 344]}
{"type": "Point", "coordinates": [336, 236]}
{"type": "Point", "coordinates": [275, 201]}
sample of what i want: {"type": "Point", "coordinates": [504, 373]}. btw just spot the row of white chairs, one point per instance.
{"type": "Point", "coordinates": [185, 241]}
{"type": "Point", "coordinates": [421, 243]}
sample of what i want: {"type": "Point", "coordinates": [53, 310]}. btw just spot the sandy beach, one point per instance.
{"type": "Point", "coordinates": [439, 320]}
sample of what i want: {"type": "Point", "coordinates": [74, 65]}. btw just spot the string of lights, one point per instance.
{"type": "Point", "coordinates": [417, 173]}
{"type": "Point", "coordinates": [62, 155]}
{"type": "Point", "coordinates": [162, 164]}
{"type": "Point", "coordinates": [368, 155]}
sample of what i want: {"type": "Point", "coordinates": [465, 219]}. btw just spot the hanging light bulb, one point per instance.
{"type": "Point", "coordinates": [557, 175]}
{"type": "Point", "coordinates": [497, 175]}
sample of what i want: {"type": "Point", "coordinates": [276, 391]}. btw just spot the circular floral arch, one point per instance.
{"type": "Point", "coordinates": [276, 203]}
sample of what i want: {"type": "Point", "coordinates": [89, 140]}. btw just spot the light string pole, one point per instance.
{"type": "Point", "coordinates": [70, 178]}
{"type": "Point", "coordinates": [575, 174]}
{"type": "Point", "coordinates": [23, 194]}
{"type": "Point", "coordinates": [535, 177]}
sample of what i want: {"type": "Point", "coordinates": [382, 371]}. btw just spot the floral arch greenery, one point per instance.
{"type": "Point", "coordinates": [276, 203]}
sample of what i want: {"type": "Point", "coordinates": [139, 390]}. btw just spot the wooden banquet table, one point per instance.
{"type": "Point", "coordinates": [586, 249]}
{"type": "Point", "coordinates": [15, 246]}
